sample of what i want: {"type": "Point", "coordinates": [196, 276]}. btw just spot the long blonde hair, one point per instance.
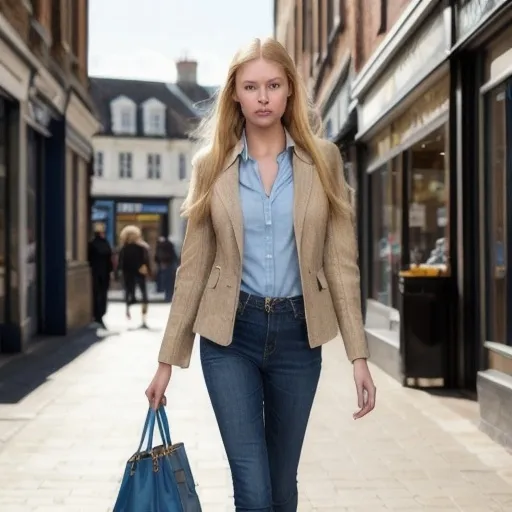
{"type": "Point", "coordinates": [130, 234]}
{"type": "Point", "coordinates": [222, 128]}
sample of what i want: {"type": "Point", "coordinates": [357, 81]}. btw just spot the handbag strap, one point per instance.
{"type": "Point", "coordinates": [160, 417]}
{"type": "Point", "coordinates": [163, 424]}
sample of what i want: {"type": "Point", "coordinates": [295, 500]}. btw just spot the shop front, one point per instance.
{"type": "Point", "coordinates": [38, 119]}
{"type": "Point", "coordinates": [150, 215]}
{"type": "Point", "coordinates": [483, 63]}
{"type": "Point", "coordinates": [15, 73]}
{"type": "Point", "coordinates": [407, 208]}
{"type": "Point", "coordinates": [8, 149]}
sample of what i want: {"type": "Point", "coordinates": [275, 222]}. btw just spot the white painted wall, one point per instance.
{"type": "Point", "coordinates": [169, 184]}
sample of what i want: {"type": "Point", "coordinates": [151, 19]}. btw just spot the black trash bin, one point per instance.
{"type": "Point", "coordinates": [427, 314]}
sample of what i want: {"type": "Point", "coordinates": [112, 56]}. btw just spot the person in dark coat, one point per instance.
{"type": "Point", "coordinates": [99, 255]}
{"type": "Point", "coordinates": [167, 261]}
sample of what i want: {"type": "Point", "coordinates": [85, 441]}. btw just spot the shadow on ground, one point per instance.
{"type": "Point", "coordinates": [23, 374]}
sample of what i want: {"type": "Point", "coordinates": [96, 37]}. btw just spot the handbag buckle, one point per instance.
{"type": "Point", "coordinates": [155, 463]}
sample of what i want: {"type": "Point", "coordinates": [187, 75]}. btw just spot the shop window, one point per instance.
{"type": "Point", "coordinates": [428, 197]}
{"type": "Point", "coordinates": [386, 187]}
{"type": "Point", "coordinates": [496, 172]}
{"type": "Point", "coordinates": [3, 205]}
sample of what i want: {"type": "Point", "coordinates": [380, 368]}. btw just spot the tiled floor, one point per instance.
{"type": "Point", "coordinates": [64, 446]}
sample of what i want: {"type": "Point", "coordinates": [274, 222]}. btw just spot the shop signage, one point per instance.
{"type": "Point", "coordinates": [141, 208]}
{"type": "Point", "coordinates": [420, 56]}
{"type": "Point", "coordinates": [472, 12]}
{"type": "Point", "coordinates": [40, 114]}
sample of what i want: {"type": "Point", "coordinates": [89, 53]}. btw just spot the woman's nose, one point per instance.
{"type": "Point", "coordinates": [263, 98]}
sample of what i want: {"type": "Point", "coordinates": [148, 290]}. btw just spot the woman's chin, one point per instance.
{"type": "Point", "coordinates": [264, 121]}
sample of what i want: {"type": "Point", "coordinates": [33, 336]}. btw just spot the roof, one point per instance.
{"type": "Point", "coordinates": [181, 101]}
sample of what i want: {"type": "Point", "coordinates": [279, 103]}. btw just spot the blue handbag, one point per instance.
{"type": "Point", "coordinates": [158, 479]}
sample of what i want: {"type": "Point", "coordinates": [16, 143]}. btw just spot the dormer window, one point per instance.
{"type": "Point", "coordinates": [154, 117]}
{"type": "Point", "coordinates": [124, 116]}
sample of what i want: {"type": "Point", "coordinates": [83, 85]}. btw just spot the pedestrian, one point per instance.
{"type": "Point", "coordinates": [99, 255]}
{"type": "Point", "coordinates": [135, 268]}
{"type": "Point", "coordinates": [268, 274]}
{"type": "Point", "coordinates": [167, 261]}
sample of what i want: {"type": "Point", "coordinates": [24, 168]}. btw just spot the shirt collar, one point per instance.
{"type": "Point", "coordinates": [244, 152]}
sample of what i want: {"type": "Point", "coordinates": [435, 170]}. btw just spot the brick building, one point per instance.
{"type": "Point", "coordinates": [418, 96]}
{"type": "Point", "coordinates": [46, 125]}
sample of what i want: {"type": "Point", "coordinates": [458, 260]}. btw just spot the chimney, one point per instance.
{"type": "Point", "coordinates": [187, 71]}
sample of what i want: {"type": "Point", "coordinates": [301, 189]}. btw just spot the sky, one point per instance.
{"type": "Point", "coordinates": [127, 41]}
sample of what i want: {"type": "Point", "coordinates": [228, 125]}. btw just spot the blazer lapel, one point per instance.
{"type": "Point", "coordinates": [229, 193]}
{"type": "Point", "coordinates": [302, 181]}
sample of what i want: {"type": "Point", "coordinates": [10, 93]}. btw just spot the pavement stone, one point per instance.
{"type": "Point", "coordinates": [63, 446]}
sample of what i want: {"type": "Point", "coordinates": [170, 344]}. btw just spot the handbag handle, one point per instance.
{"type": "Point", "coordinates": [149, 426]}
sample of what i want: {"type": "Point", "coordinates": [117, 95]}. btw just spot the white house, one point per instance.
{"type": "Point", "coordinates": [143, 155]}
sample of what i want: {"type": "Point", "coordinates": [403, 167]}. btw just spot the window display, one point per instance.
{"type": "Point", "coordinates": [428, 203]}
{"type": "Point", "coordinates": [423, 228]}
{"type": "Point", "coordinates": [386, 186]}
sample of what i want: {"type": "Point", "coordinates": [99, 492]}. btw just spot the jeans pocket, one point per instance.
{"type": "Point", "coordinates": [299, 312]}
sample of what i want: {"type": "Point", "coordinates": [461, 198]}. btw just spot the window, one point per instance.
{"type": "Point", "coordinates": [428, 187]}
{"type": "Point", "coordinates": [98, 164]}
{"type": "Point", "coordinates": [386, 187]}
{"type": "Point", "coordinates": [154, 117]}
{"type": "Point", "coordinates": [154, 172]}
{"type": "Point", "coordinates": [496, 173]}
{"type": "Point", "coordinates": [182, 170]}
{"type": "Point", "coordinates": [156, 123]}
{"type": "Point", "coordinates": [125, 165]}
{"type": "Point", "coordinates": [126, 120]}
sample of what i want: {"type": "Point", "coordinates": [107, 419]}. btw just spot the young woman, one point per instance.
{"type": "Point", "coordinates": [134, 264]}
{"type": "Point", "coordinates": [268, 274]}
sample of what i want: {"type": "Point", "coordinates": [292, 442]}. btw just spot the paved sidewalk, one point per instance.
{"type": "Point", "coordinates": [64, 446]}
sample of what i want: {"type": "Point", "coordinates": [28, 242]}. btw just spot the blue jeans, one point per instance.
{"type": "Point", "coordinates": [262, 388]}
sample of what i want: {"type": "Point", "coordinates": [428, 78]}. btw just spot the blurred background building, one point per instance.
{"type": "Point", "coordinates": [417, 94]}
{"type": "Point", "coordinates": [47, 121]}
{"type": "Point", "coordinates": [143, 153]}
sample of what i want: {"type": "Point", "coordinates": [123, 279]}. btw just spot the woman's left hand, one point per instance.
{"type": "Point", "coordinates": [365, 388]}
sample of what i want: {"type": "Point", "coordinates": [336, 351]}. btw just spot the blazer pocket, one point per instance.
{"type": "Point", "coordinates": [214, 277]}
{"type": "Point", "coordinates": [322, 280]}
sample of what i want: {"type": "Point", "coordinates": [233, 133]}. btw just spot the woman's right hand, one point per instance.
{"type": "Point", "coordinates": [156, 390]}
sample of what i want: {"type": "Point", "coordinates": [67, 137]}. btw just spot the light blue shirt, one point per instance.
{"type": "Point", "coordinates": [270, 266]}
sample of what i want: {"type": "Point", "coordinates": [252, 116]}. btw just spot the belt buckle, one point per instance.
{"type": "Point", "coordinates": [268, 304]}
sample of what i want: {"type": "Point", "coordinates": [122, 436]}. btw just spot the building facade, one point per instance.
{"type": "Point", "coordinates": [143, 154]}
{"type": "Point", "coordinates": [46, 124]}
{"type": "Point", "coordinates": [418, 96]}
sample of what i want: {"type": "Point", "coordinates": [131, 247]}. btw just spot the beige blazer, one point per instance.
{"type": "Point", "coordinates": [208, 281]}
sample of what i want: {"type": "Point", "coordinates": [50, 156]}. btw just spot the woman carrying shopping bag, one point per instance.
{"type": "Point", "coordinates": [268, 275]}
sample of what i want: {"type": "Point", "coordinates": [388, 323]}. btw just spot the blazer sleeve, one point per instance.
{"type": "Point", "coordinates": [198, 253]}
{"type": "Point", "coordinates": [342, 270]}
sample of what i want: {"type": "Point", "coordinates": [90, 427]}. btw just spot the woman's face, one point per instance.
{"type": "Point", "coordinates": [262, 89]}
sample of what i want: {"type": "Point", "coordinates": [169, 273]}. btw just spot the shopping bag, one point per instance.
{"type": "Point", "coordinates": [158, 479]}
